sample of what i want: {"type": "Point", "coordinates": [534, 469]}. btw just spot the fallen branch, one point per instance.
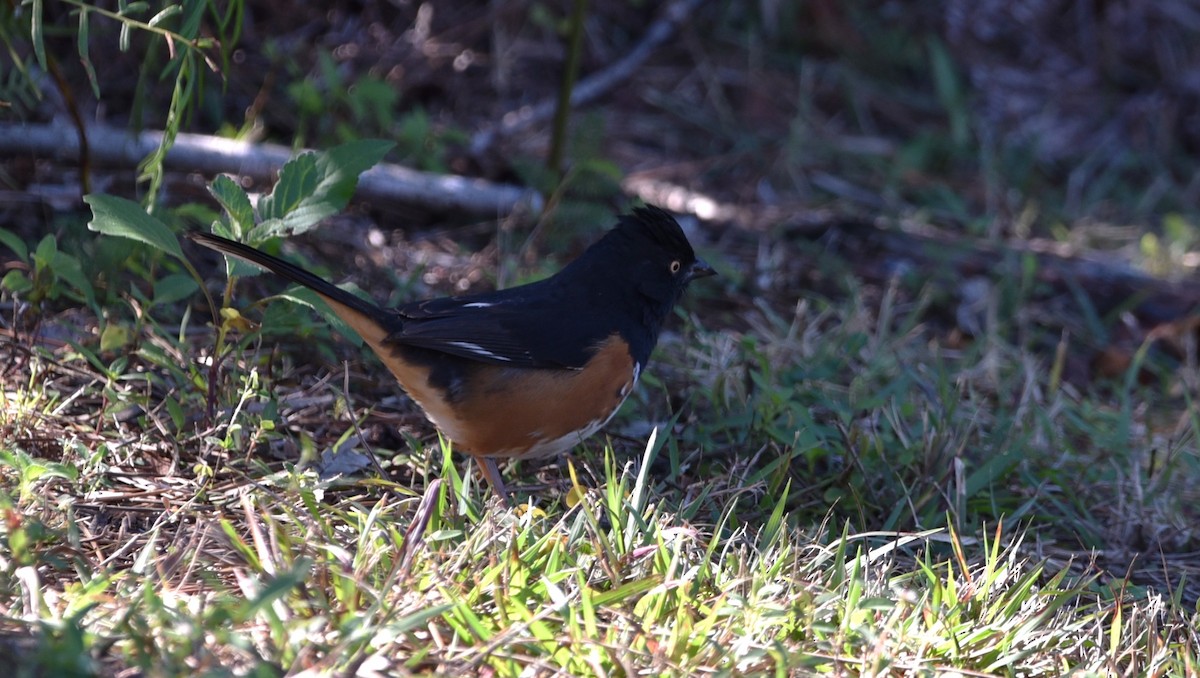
{"type": "Point", "coordinates": [879, 250]}
{"type": "Point", "coordinates": [1109, 283]}
{"type": "Point", "coordinates": [214, 155]}
{"type": "Point", "coordinates": [595, 85]}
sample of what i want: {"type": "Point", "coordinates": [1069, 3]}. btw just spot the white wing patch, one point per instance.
{"type": "Point", "coordinates": [479, 304]}
{"type": "Point", "coordinates": [478, 350]}
{"type": "Point", "coordinates": [637, 371]}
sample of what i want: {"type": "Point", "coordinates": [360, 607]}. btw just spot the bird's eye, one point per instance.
{"type": "Point", "coordinates": [675, 266]}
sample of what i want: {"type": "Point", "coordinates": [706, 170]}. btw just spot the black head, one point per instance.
{"type": "Point", "coordinates": [640, 268]}
{"type": "Point", "coordinates": [665, 260]}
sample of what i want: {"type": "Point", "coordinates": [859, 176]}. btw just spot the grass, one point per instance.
{"type": "Point", "coordinates": [839, 495]}
{"type": "Point", "coordinates": [809, 483]}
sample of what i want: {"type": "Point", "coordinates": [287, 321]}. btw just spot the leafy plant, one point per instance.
{"type": "Point", "coordinates": [48, 273]}
{"type": "Point", "coordinates": [311, 187]}
{"type": "Point", "coordinates": [195, 49]}
{"type": "Point", "coordinates": [30, 471]}
{"type": "Point", "coordinates": [332, 107]}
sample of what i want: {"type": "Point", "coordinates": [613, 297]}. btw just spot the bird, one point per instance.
{"type": "Point", "coordinates": [529, 371]}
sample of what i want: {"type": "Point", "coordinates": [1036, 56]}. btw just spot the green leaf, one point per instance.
{"type": "Point", "coordinates": [373, 100]}
{"type": "Point", "coordinates": [176, 412]}
{"type": "Point", "coordinates": [234, 267]}
{"type": "Point", "coordinates": [114, 336]}
{"type": "Point", "coordinates": [43, 256]}
{"type": "Point", "coordinates": [313, 186]}
{"type": "Point", "coordinates": [949, 90]}
{"type": "Point", "coordinates": [275, 588]}
{"type": "Point", "coordinates": [172, 288]}
{"type": "Point", "coordinates": [297, 180]}
{"type": "Point", "coordinates": [340, 167]}
{"type": "Point", "coordinates": [69, 269]}
{"type": "Point", "coordinates": [162, 16]}
{"type": "Point", "coordinates": [126, 219]}
{"type": "Point", "coordinates": [236, 204]}
{"type": "Point", "coordinates": [298, 221]}
{"type": "Point", "coordinates": [627, 591]}
{"type": "Point", "coordinates": [193, 15]}
{"type": "Point", "coordinates": [134, 8]}
{"type": "Point", "coordinates": [267, 229]}
{"type": "Point", "coordinates": [306, 297]}
{"type": "Point", "coordinates": [16, 282]}
{"type": "Point", "coordinates": [84, 58]}
{"type": "Point", "coordinates": [306, 97]}
{"type": "Point", "coordinates": [37, 33]}
{"type": "Point", "coordinates": [12, 242]}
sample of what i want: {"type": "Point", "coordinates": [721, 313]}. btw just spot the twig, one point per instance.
{"type": "Point", "coordinates": [1110, 282]}
{"type": "Point", "coordinates": [562, 106]}
{"type": "Point", "coordinates": [595, 85]}
{"type": "Point", "coordinates": [214, 155]}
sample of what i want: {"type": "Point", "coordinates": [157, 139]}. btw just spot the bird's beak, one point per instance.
{"type": "Point", "coordinates": [699, 269]}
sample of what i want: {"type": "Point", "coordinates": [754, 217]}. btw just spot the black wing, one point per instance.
{"type": "Point", "coordinates": [527, 326]}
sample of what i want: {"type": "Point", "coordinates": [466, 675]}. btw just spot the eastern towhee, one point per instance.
{"type": "Point", "coordinates": [532, 370]}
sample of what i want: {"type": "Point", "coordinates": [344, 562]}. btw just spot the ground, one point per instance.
{"type": "Point", "coordinates": [936, 412]}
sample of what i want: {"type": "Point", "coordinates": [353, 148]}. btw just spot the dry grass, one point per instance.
{"type": "Point", "coordinates": [795, 519]}
{"type": "Point", "coordinates": [820, 473]}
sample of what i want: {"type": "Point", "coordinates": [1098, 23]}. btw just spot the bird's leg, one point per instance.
{"type": "Point", "coordinates": [491, 473]}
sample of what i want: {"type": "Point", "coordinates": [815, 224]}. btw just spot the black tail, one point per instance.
{"type": "Point", "coordinates": [341, 301]}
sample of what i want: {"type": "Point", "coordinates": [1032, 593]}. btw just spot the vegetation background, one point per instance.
{"type": "Point", "coordinates": [936, 415]}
